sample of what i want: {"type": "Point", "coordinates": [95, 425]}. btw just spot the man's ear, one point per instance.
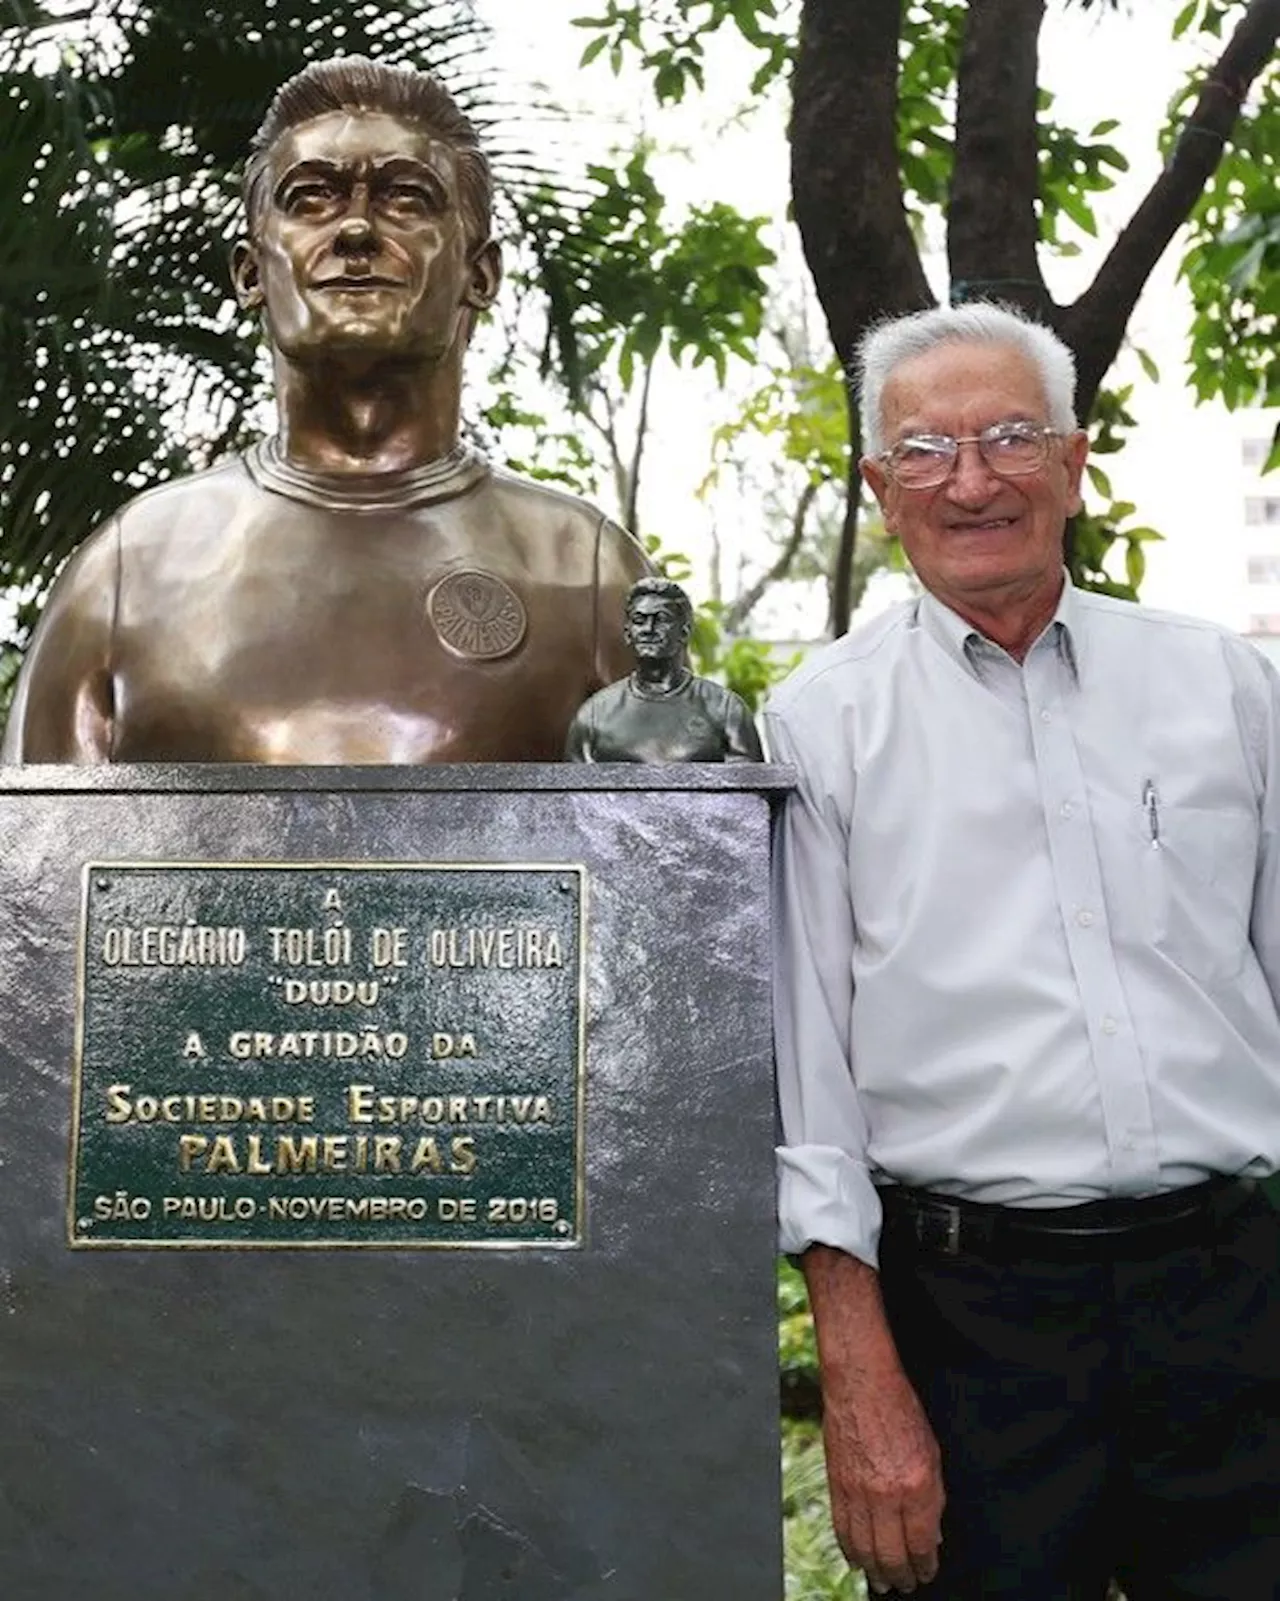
{"type": "Point", "coordinates": [1075, 452]}
{"type": "Point", "coordinates": [879, 483]}
{"type": "Point", "coordinates": [246, 275]}
{"type": "Point", "coordinates": [486, 277]}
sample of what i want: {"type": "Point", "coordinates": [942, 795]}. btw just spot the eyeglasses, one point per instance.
{"type": "Point", "coordinates": [1010, 450]}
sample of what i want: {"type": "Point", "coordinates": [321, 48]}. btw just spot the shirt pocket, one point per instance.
{"type": "Point", "coordinates": [1197, 887]}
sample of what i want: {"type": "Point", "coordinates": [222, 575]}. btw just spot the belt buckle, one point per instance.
{"type": "Point", "coordinates": [938, 1228]}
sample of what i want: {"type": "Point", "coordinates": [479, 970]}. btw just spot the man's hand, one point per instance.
{"type": "Point", "coordinates": [885, 1477]}
{"type": "Point", "coordinates": [883, 1464]}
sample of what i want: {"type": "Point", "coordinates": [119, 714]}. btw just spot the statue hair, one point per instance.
{"type": "Point", "coordinates": [357, 83]}
{"type": "Point", "coordinates": [890, 343]}
{"type": "Point", "coordinates": [663, 589]}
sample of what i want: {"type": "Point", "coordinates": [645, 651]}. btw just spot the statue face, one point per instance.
{"type": "Point", "coordinates": [361, 246]}
{"type": "Point", "coordinates": [655, 628]}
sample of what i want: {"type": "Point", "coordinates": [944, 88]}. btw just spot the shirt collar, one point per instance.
{"type": "Point", "coordinates": [965, 644]}
{"type": "Point", "coordinates": [391, 491]}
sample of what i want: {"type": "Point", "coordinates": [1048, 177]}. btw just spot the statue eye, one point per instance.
{"type": "Point", "coordinates": [309, 199]}
{"type": "Point", "coordinates": [412, 197]}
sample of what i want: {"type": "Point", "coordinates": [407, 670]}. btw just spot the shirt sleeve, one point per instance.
{"type": "Point", "coordinates": [743, 739]}
{"type": "Point", "coordinates": [825, 1193]}
{"type": "Point", "coordinates": [580, 745]}
{"type": "Point", "coordinates": [1256, 687]}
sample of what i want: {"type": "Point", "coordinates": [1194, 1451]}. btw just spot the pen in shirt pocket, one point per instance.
{"type": "Point", "coordinates": [1151, 805]}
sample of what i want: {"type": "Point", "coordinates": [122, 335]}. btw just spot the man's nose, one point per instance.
{"type": "Point", "coordinates": [971, 479]}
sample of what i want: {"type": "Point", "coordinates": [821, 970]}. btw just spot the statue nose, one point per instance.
{"type": "Point", "coordinates": [354, 230]}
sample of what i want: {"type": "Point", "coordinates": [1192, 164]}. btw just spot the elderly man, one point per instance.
{"type": "Point", "coordinates": [362, 587]}
{"type": "Point", "coordinates": [1028, 962]}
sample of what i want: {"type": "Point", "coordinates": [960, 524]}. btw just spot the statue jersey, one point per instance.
{"type": "Point", "coordinates": [698, 721]}
{"type": "Point", "coordinates": [258, 613]}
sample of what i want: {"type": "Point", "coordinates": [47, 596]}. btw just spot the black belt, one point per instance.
{"type": "Point", "coordinates": [1092, 1231]}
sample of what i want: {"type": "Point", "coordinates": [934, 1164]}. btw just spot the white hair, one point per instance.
{"type": "Point", "coordinates": [887, 344]}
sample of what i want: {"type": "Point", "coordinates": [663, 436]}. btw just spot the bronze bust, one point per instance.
{"type": "Point", "coordinates": [363, 587]}
{"type": "Point", "coordinates": [661, 712]}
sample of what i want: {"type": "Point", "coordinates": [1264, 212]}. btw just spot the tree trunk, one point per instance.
{"type": "Point", "coordinates": [848, 195]}
{"type": "Point", "coordinates": [992, 229]}
{"type": "Point", "coordinates": [841, 591]}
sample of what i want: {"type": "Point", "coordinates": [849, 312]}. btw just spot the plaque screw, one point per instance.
{"type": "Point", "coordinates": [565, 884]}
{"type": "Point", "coordinates": [562, 1225]}
{"type": "Point", "coordinates": [83, 1223]}
{"type": "Point", "coordinates": [103, 883]}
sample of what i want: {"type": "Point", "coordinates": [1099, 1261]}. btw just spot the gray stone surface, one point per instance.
{"type": "Point", "coordinates": [591, 1425]}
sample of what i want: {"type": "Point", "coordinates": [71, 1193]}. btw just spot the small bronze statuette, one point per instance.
{"type": "Point", "coordinates": [362, 586]}
{"type": "Point", "coordinates": [661, 712]}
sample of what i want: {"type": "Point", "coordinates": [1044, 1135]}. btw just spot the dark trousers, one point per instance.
{"type": "Point", "coordinates": [1099, 1420]}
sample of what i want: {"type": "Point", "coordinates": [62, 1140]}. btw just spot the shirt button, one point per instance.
{"type": "Point", "coordinates": [1085, 918]}
{"type": "Point", "coordinates": [1110, 1026]}
{"type": "Point", "coordinates": [1046, 717]}
{"type": "Point", "coordinates": [1068, 810]}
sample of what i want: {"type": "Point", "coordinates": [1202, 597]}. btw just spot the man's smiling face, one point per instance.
{"type": "Point", "coordinates": [361, 246]}
{"type": "Point", "coordinates": [977, 540]}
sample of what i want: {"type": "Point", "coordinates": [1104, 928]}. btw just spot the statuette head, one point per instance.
{"type": "Point", "coordinates": [659, 620]}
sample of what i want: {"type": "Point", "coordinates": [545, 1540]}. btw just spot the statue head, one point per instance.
{"type": "Point", "coordinates": [368, 202]}
{"type": "Point", "coordinates": [659, 620]}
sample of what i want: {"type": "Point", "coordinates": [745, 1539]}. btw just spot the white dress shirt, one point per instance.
{"type": "Point", "coordinates": [1028, 916]}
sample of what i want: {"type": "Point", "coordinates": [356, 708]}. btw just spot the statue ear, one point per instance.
{"type": "Point", "coordinates": [485, 278]}
{"type": "Point", "coordinates": [246, 275]}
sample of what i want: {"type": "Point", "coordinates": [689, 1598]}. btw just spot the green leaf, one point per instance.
{"type": "Point", "coordinates": [1185, 18]}
{"type": "Point", "coordinates": [1247, 269]}
{"type": "Point", "coordinates": [1098, 479]}
{"type": "Point", "coordinates": [1077, 209]}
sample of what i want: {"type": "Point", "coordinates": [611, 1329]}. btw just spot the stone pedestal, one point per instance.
{"type": "Point", "coordinates": [585, 1418]}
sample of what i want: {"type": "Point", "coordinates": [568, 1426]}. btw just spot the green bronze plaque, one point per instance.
{"type": "Point", "coordinates": [329, 1054]}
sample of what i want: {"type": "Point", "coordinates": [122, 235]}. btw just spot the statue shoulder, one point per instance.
{"type": "Point", "coordinates": [726, 708]}
{"type": "Point", "coordinates": [718, 696]}
{"type": "Point", "coordinates": [164, 507]}
{"type": "Point", "coordinates": [598, 710]}
{"type": "Point", "coordinates": [610, 699]}
{"type": "Point", "coordinates": [569, 512]}
{"type": "Point", "coordinates": [711, 691]}
{"type": "Point", "coordinates": [516, 489]}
